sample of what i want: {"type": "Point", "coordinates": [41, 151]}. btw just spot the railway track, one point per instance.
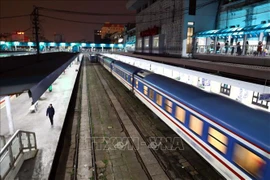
{"type": "Point", "coordinates": [180, 161]}
{"type": "Point", "coordinates": [74, 175]}
{"type": "Point", "coordinates": [93, 155]}
{"type": "Point", "coordinates": [135, 148]}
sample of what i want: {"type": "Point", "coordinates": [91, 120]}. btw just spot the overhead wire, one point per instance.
{"type": "Point", "coordinates": [119, 14]}
{"type": "Point", "coordinates": [85, 13]}
{"type": "Point", "coordinates": [69, 20]}
{"type": "Point", "coordinates": [96, 14]}
{"type": "Point", "coordinates": [18, 16]}
{"type": "Point", "coordinates": [97, 23]}
{"type": "Point", "coordinates": [103, 14]}
{"type": "Point", "coordinates": [27, 29]}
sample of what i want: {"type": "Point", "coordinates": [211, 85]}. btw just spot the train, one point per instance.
{"type": "Point", "coordinates": [233, 138]}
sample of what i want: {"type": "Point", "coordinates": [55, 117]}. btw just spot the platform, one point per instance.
{"type": "Point", "coordinates": [246, 72]}
{"type": "Point", "coordinates": [247, 60]}
{"type": "Point", "coordinates": [47, 136]}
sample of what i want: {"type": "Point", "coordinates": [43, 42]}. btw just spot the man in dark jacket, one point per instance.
{"type": "Point", "coordinates": [50, 112]}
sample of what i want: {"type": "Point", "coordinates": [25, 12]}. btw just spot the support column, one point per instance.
{"type": "Point", "coordinates": [102, 49]}
{"type": "Point", "coordinates": [215, 44]}
{"type": "Point", "coordinates": [261, 36]}
{"type": "Point", "coordinates": [9, 116]}
{"type": "Point", "coordinates": [206, 45]}
{"type": "Point", "coordinates": [244, 44]}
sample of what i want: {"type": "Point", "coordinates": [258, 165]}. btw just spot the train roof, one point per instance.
{"type": "Point", "coordinates": [108, 59]}
{"type": "Point", "coordinates": [129, 68]}
{"type": "Point", "coordinates": [251, 124]}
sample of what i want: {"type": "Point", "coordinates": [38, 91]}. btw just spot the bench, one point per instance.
{"type": "Point", "coordinates": [34, 107]}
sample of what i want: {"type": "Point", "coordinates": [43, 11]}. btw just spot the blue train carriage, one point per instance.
{"type": "Point", "coordinates": [230, 136]}
{"type": "Point", "coordinates": [125, 73]}
{"type": "Point", "coordinates": [100, 59]}
{"type": "Point", "coordinates": [93, 58]}
{"type": "Point", "coordinates": [107, 63]}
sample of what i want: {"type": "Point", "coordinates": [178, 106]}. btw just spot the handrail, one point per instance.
{"type": "Point", "coordinates": [20, 143]}
{"type": "Point", "coordinates": [2, 140]}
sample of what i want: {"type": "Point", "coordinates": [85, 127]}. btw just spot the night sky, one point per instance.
{"type": "Point", "coordinates": [71, 31]}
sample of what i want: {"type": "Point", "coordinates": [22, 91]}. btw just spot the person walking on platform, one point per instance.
{"type": "Point", "coordinates": [217, 47]}
{"type": "Point", "coordinates": [238, 49]}
{"type": "Point", "coordinates": [226, 47]}
{"type": "Point", "coordinates": [50, 113]}
{"type": "Point", "coordinates": [246, 48]}
{"type": "Point", "coordinates": [259, 48]}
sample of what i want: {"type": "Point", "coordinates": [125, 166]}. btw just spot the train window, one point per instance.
{"type": "Point", "coordinates": [151, 94]}
{"type": "Point", "coordinates": [145, 90]}
{"type": "Point", "coordinates": [131, 79]}
{"type": "Point", "coordinates": [248, 160]}
{"type": "Point", "coordinates": [159, 99]}
{"type": "Point", "coordinates": [168, 106]}
{"type": "Point", "coordinates": [180, 114]}
{"type": "Point", "coordinates": [218, 140]}
{"type": "Point", "coordinates": [137, 84]}
{"type": "Point", "coordinates": [195, 125]}
{"type": "Point", "coordinates": [256, 101]}
{"type": "Point", "coordinates": [225, 89]}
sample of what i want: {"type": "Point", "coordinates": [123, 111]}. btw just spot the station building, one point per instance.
{"type": "Point", "coordinates": [169, 26]}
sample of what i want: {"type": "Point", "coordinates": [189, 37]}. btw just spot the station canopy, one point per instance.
{"type": "Point", "coordinates": [251, 31]}
{"type": "Point", "coordinates": [32, 74]}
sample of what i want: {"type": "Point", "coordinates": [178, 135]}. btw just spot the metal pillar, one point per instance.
{"type": "Point", "coordinates": [9, 116]}
{"type": "Point", "coordinates": [36, 27]}
{"type": "Point", "coordinates": [102, 49]}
